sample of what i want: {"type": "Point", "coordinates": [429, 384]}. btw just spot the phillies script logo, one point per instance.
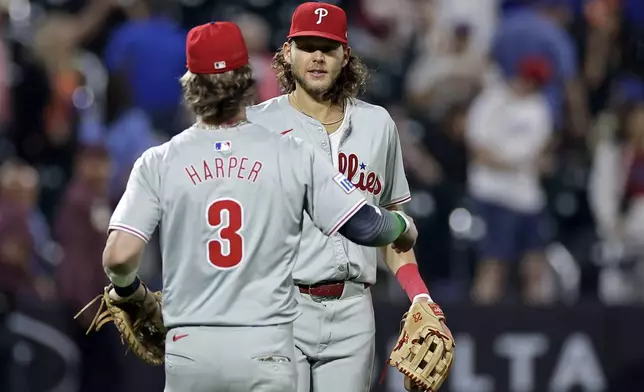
{"type": "Point", "coordinates": [366, 180]}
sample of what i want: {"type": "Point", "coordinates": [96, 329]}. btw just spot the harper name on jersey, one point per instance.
{"type": "Point", "coordinates": [219, 168]}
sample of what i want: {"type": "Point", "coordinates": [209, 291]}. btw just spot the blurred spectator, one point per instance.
{"type": "Point", "coordinates": [129, 133]}
{"type": "Point", "coordinates": [446, 74]}
{"type": "Point", "coordinates": [616, 187]}
{"type": "Point", "coordinates": [436, 164]}
{"type": "Point", "coordinates": [148, 51]}
{"type": "Point", "coordinates": [16, 248]}
{"type": "Point", "coordinates": [540, 29]}
{"type": "Point", "coordinates": [616, 198]}
{"type": "Point", "coordinates": [383, 34]}
{"type": "Point", "coordinates": [81, 229]}
{"type": "Point", "coordinates": [508, 130]}
{"type": "Point", "coordinates": [434, 156]}
{"type": "Point", "coordinates": [448, 146]}
{"type": "Point", "coordinates": [480, 15]}
{"type": "Point", "coordinates": [256, 33]}
{"type": "Point", "coordinates": [29, 96]}
{"type": "Point", "coordinates": [57, 46]}
{"type": "Point", "coordinates": [603, 27]}
{"type": "Point", "coordinates": [601, 54]}
{"type": "Point", "coordinates": [383, 27]}
{"type": "Point", "coordinates": [48, 100]}
{"type": "Point", "coordinates": [19, 187]}
{"type": "Point", "coordinates": [421, 167]}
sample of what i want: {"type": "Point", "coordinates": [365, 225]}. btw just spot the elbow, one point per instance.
{"type": "Point", "coordinates": [121, 250]}
{"type": "Point", "coordinates": [114, 258]}
{"type": "Point", "coordinates": [121, 257]}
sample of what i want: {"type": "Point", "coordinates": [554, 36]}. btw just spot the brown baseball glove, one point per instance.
{"type": "Point", "coordinates": [138, 321]}
{"type": "Point", "coordinates": [424, 353]}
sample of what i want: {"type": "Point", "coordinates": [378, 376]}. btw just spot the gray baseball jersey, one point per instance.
{"type": "Point", "coordinates": [369, 156]}
{"type": "Point", "coordinates": [230, 207]}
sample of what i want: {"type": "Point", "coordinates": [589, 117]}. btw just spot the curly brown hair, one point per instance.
{"type": "Point", "coordinates": [351, 81]}
{"type": "Point", "coordinates": [218, 98]}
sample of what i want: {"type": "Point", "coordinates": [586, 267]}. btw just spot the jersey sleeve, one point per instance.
{"type": "Point", "coordinates": [139, 210]}
{"type": "Point", "coordinates": [331, 199]}
{"type": "Point", "coordinates": [396, 189]}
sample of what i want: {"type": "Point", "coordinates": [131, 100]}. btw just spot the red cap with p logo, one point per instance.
{"type": "Point", "coordinates": [319, 20]}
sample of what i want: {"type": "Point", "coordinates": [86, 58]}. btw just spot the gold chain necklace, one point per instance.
{"type": "Point", "coordinates": [323, 123]}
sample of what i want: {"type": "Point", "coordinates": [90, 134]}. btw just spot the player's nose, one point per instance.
{"type": "Point", "coordinates": [318, 56]}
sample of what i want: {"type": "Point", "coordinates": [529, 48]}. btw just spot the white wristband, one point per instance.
{"type": "Point", "coordinates": [419, 296]}
{"type": "Point", "coordinates": [407, 222]}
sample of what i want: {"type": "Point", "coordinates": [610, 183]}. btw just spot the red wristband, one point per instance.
{"type": "Point", "coordinates": [410, 280]}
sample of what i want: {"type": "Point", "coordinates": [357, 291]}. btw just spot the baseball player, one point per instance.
{"type": "Point", "coordinates": [229, 197]}
{"type": "Point", "coordinates": [321, 77]}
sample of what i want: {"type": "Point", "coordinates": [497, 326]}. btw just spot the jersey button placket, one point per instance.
{"type": "Point", "coordinates": [341, 256]}
{"type": "Point", "coordinates": [323, 138]}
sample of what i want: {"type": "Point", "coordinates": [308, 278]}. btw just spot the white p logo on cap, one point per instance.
{"type": "Point", "coordinates": [321, 13]}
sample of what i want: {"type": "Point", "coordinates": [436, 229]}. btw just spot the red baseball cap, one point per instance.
{"type": "Point", "coordinates": [536, 69]}
{"type": "Point", "coordinates": [319, 20]}
{"type": "Point", "coordinates": [215, 47]}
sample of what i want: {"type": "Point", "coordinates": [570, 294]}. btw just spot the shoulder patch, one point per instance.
{"type": "Point", "coordinates": [344, 183]}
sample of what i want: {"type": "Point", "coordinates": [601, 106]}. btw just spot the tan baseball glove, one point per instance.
{"type": "Point", "coordinates": [138, 321]}
{"type": "Point", "coordinates": [424, 353]}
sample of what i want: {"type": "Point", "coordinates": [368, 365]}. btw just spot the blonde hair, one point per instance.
{"type": "Point", "coordinates": [217, 98]}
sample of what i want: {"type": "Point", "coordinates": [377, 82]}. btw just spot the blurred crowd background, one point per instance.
{"type": "Point", "coordinates": [87, 85]}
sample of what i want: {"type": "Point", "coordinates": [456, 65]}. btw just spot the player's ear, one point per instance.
{"type": "Point", "coordinates": [286, 51]}
{"type": "Point", "coordinates": [347, 55]}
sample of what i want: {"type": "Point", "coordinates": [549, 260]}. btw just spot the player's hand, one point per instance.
{"type": "Point", "coordinates": [446, 330]}
{"type": "Point", "coordinates": [138, 296]}
{"type": "Point", "coordinates": [144, 297]}
{"type": "Point", "coordinates": [141, 296]}
{"type": "Point", "coordinates": [406, 241]}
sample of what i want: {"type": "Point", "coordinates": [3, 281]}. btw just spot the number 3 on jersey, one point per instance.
{"type": "Point", "coordinates": [228, 235]}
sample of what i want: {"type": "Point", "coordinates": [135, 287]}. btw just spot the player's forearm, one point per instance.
{"type": "Point", "coordinates": [395, 260]}
{"type": "Point", "coordinates": [121, 259]}
{"type": "Point", "coordinates": [374, 226]}
{"type": "Point", "coordinates": [405, 268]}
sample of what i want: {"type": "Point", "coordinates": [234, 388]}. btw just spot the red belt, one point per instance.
{"type": "Point", "coordinates": [328, 289]}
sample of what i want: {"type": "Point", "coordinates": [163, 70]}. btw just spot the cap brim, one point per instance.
{"type": "Point", "coordinates": [320, 34]}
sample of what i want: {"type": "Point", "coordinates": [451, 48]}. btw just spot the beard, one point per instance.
{"type": "Point", "coordinates": [318, 90]}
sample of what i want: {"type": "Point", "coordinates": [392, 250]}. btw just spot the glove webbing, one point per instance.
{"type": "Point", "coordinates": [103, 317]}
